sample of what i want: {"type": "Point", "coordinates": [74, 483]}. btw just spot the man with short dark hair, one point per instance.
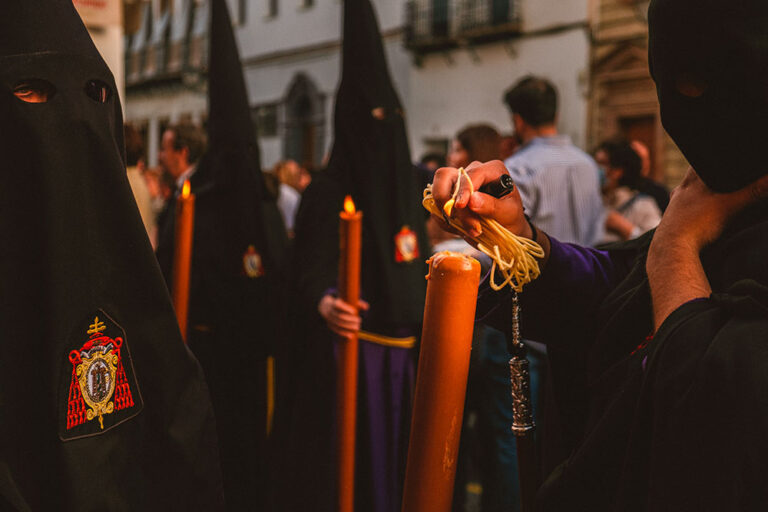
{"type": "Point", "coordinates": [534, 100]}
{"type": "Point", "coordinates": [557, 181]}
{"type": "Point", "coordinates": [181, 147]}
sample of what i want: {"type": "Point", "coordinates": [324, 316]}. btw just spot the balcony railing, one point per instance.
{"type": "Point", "coordinates": [168, 48]}
{"type": "Point", "coordinates": [433, 25]}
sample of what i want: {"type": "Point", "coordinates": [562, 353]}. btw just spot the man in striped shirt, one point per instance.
{"type": "Point", "coordinates": [558, 183]}
{"type": "Point", "coordinates": [560, 191]}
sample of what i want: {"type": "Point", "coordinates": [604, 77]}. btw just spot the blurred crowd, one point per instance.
{"type": "Point", "coordinates": [590, 196]}
{"type": "Point", "coordinates": [153, 186]}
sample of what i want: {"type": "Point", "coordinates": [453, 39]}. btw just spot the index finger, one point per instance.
{"type": "Point", "coordinates": [480, 174]}
{"type": "Point", "coordinates": [343, 307]}
{"type": "Point", "coordinates": [443, 185]}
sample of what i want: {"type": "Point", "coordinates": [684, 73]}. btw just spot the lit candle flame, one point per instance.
{"type": "Point", "coordinates": [349, 205]}
{"type": "Point", "coordinates": [185, 189]}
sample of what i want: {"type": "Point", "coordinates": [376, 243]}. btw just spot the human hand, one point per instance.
{"type": "Point", "coordinates": [341, 318]}
{"type": "Point", "coordinates": [696, 216]}
{"type": "Point", "coordinates": [469, 208]}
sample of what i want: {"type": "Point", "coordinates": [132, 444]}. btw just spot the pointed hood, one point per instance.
{"type": "Point", "coordinates": [229, 120]}
{"type": "Point", "coordinates": [709, 60]}
{"type": "Point", "coordinates": [372, 162]}
{"type": "Point", "coordinates": [92, 357]}
{"type": "Point", "coordinates": [38, 27]}
{"type": "Point", "coordinates": [232, 164]}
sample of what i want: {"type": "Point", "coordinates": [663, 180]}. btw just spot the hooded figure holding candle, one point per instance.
{"type": "Point", "coordinates": [235, 284]}
{"type": "Point", "coordinates": [102, 407]}
{"type": "Point", "coordinates": [370, 162]}
{"type": "Point", "coordinates": [659, 346]}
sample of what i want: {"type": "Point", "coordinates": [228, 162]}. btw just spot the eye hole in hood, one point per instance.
{"type": "Point", "coordinates": [98, 91]}
{"type": "Point", "coordinates": [690, 85]}
{"type": "Point", "coordinates": [34, 90]}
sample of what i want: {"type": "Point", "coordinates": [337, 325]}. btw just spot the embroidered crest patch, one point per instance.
{"type": "Point", "coordinates": [252, 264]}
{"type": "Point", "coordinates": [406, 245]}
{"type": "Point", "coordinates": [100, 384]}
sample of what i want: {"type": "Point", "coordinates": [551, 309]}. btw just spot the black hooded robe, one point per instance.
{"type": "Point", "coordinates": [102, 407]}
{"type": "Point", "coordinates": [235, 317]}
{"type": "Point", "coordinates": [676, 422]}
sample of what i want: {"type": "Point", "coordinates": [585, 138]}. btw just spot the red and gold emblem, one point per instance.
{"type": "Point", "coordinates": [101, 389]}
{"type": "Point", "coordinates": [253, 265]}
{"type": "Point", "coordinates": [99, 385]}
{"type": "Point", "coordinates": [406, 245]}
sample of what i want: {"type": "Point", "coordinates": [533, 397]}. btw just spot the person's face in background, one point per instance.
{"type": "Point", "coordinates": [609, 176]}
{"type": "Point", "coordinates": [289, 173]}
{"type": "Point", "coordinates": [173, 161]}
{"type": "Point", "coordinates": [431, 165]}
{"type": "Point", "coordinates": [458, 156]}
{"type": "Point", "coordinates": [508, 145]}
{"type": "Point", "coordinates": [305, 178]}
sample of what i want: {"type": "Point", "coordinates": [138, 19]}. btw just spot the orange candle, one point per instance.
{"type": "Point", "coordinates": [350, 232]}
{"type": "Point", "coordinates": [438, 408]}
{"type": "Point", "coordinates": [182, 255]}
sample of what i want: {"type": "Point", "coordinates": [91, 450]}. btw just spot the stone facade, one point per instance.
{"type": "Point", "coordinates": [623, 96]}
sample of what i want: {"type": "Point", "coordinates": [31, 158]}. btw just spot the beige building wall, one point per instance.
{"type": "Point", "coordinates": [623, 98]}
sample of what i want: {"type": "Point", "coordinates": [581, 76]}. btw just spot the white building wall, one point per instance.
{"type": "Point", "coordinates": [448, 94]}
{"type": "Point", "coordinates": [297, 27]}
{"type": "Point", "coordinates": [269, 83]}
{"type": "Point", "coordinates": [544, 14]}
{"type": "Point", "coordinates": [441, 94]}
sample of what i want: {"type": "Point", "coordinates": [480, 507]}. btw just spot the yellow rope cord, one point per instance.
{"type": "Point", "coordinates": [513, 256]}
{"type": "Point", "coordinates": [270, 393]}
{"type": "Point", "coordinates": [387, 341]}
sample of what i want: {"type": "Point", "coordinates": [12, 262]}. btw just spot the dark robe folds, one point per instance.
{"type": "Point", "coordinates": [675, 422]}
{"type": "Point", "coordinates": [102, 407]}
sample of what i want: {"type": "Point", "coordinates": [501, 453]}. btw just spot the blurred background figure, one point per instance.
{"type": "Point", "coordinates": [557, 181]}
{"type": "Point", "coordinates": [181, 148]}
{"type": "Point", "coordinates": [479, 142]}
{"type": "Point", "coordinates": [432, 161]}
{"type": "Point", "coordinates": [428, 164]}
{"type": "Point", "coordinates": [290, 173]}
{"type": "Point", "coordinates": [631, 212]}
{"type": "Point", "coordinates": [160, 185]}
{"type": "Point", "coordinates": [290, 185]}
{"type": "Point", "coordinates": [646, 184]}
{"type": "Point", "coordinates": [508, 144]}
{"type": "Point", "coordinates": [474, 142]}
{"type": "Point", "coordinates": [134, 154]}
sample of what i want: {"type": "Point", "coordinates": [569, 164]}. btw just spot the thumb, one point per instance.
{"type": "Point", "coordinates": [483, 205]}
{"type": "Point", "coordinates": [759, 189]}
{"type": "Point", "coordinates": [752, 193]}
